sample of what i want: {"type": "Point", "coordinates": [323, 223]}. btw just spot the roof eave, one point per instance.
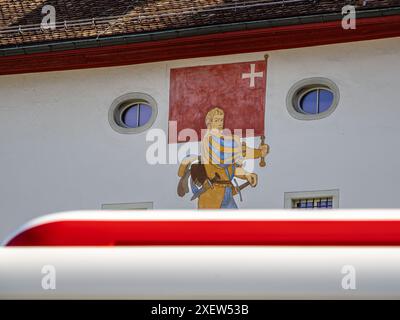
{"type": "Point", "coordinates": [188, 32]}
{"type": "Point", "coordinates": [252, 37]}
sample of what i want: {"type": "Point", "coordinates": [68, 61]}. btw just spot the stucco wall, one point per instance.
{"type": "Point", "coordinates": [58, 151]}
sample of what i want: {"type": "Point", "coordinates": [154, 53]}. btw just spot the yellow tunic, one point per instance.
{"type": "Point", "coordinates": [212, 160]}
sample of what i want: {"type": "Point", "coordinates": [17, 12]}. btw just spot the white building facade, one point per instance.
{"type": "Point", "coordinates": [60, 153]}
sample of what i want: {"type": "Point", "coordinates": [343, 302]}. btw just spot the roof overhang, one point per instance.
{"type": "Point", "coordinates": [200, 42]}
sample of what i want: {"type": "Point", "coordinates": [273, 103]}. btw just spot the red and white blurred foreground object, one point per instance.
{"type": "Point", "coordinates": [206, 255]}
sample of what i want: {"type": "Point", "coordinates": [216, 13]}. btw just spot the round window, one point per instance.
{"type": "Point", "coordinates": [312, 99]}
{"type": "Point", "coordinates": [136, 115]}
{"type": "Point", "coordinates": [132, 113]}
{"type": "Point", "coordinates": [316, 101]}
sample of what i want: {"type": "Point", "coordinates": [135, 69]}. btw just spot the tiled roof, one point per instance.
{"type": "Point", "coordinates": [88, 19]}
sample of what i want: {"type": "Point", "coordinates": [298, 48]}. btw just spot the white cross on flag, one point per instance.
{"type": "Point", "coordinates": [237, 88]}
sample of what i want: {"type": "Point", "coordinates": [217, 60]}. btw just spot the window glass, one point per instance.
{"type": "Point", "coordinates": [136, 115]}
{"type": "Point", "coordinates": [316, 101]}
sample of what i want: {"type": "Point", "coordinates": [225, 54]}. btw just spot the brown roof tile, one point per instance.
{"type": "Point", "coordinates": [84, 19]}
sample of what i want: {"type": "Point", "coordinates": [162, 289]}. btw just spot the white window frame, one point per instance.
{"type": "Point", "coordinates": [291, 196]}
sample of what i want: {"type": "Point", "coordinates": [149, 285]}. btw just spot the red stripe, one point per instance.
{"type": "Point", "coordinates": [120, 233]}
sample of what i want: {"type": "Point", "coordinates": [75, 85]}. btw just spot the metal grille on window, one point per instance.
{"type": "Point", "coordinates": [313, 203]}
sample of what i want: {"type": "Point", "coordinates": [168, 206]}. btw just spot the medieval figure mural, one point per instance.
{"type": "Point", "coordinates": [212, 174]}
{"type": "Point", "coordinates": [217, 101]}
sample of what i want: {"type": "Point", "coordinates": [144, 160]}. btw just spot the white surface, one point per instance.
{"type": "Point", "coordinates": [59, 153]}
{"type": "Point", "coordinates": [201, 272]}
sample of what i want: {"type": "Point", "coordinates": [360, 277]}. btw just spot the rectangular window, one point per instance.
{"type": "Point", "coordinates": [326, 199]}
{"type": "Point", "coordinates": [312, 203]}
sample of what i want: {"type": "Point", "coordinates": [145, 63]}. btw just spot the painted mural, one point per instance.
{"type": "Point", "coordinates": [223, 104]}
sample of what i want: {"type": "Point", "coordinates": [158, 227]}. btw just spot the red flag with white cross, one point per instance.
{"type": "Point", "coordinates": [237, 88]}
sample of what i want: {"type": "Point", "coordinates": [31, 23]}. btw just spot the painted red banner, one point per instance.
{"type": "Point", "coordinates": [237, 88]}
